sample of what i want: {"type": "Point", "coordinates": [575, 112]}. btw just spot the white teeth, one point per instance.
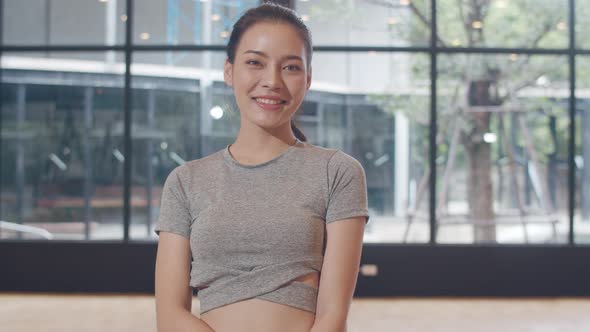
{"type": "Point", "coordinates": [268, 101]}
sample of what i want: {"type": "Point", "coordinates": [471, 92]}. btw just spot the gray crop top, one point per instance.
{"type": "Point", "coordinates": [253, 229]}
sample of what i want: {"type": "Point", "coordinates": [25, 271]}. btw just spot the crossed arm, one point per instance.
{"type": "Point", "coordinates": [339, 274]}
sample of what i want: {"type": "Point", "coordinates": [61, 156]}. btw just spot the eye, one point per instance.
{"type": "Point", "coordinates": [293, 68]}
{"type": "Point", "coordinates": [253, 62]}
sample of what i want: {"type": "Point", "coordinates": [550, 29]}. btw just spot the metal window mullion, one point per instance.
{"type": "Point", "coordinates": [1, 101]}
{"type": "Point", "coordinates": [433, 123]}
{"type": "Point", "coordinates": [127, 107]}
{"type": "Point", "coordinates": [317, 48]}
{"type": "Point", "coordinates": [572, 118]}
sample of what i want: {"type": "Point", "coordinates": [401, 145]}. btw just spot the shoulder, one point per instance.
{"type": "Point", "coordinates": [194, 167]}
{"type": "Point", "coordinates": [319, 152]}
{"type": "Point", "coordinates": [186, 174]}
{"type": "Point", "coordinates": [342, 160]}
{"type": "Point", "coordinates": [333, 158]}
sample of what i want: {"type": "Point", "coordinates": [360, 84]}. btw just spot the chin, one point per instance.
{"type": "Point", "coordinates": [266, 121]}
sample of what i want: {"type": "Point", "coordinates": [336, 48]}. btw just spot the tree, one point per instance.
{"type": "Point", "coordinates": [490, 87]}
{"type": "Point", "coordinates": [480, 91]}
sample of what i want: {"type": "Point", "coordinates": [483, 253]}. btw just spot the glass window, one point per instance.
{"type": "Point", "coordinates": [502, 143]}
{"type": "Point", "coordinates": [502, 149]}
{"type": "Point", "coordinates": [374, 106]}
{"type": "Point", "coordinates": [58, 22]}
{"type": "Point", "coordinates": [181, 112]}
{"type": "Point", "coordinates": [582, 23]}
{"type": "Point", "coordinates": [186, 21]}
{"type": "Point", "coordinates": [503, 23]}
{"type": "Point", "coordinates": [62, 148]}
{"type": "Point", "coordinates": [381, 120]}
{"type": "Point", "coordinates": [582, 152]}
{"type": "Point", "coordinates": [367, 22]}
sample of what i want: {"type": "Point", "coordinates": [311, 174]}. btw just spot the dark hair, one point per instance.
{"type": "Point", "coordinates": [274, 13]}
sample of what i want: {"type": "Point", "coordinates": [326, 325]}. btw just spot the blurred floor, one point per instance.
{"type": "Point", "coordinates": [114, 313]}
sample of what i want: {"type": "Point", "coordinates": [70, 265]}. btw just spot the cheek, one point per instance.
{"type": "Point", "coordinates": [297, 85]}
{"type": "Point", "coordinates": [242, 76]}
{"type": "Point", "coordinates": [244, 82]}
{"type": "Point", "coordinates": [244, 85]}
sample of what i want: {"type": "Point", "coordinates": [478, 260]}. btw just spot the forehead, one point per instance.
{"type": "Point", "coordinates": [273, 38]}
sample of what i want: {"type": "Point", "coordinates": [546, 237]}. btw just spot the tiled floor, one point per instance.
{"type": "Point", "coordinates": [114, 313]}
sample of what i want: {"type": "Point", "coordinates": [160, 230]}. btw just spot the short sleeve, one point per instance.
{"type": "Point", "coordinates": [174, 211]}
{"type": "Point", "coordinates": [347, 188]}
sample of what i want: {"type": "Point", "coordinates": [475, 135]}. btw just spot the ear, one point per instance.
{"type": "Point", "coordinates": [227, 73]}
{"type": "Point", "coordinates": [309, 78]}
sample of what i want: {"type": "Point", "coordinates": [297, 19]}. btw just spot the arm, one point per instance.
{"type": "Point", "coordinates": [173, 296]}
{"type": "Point", "coordinates": [339, 274]}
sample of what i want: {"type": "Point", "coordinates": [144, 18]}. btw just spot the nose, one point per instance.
{"type": "Point", "coordinates": [272, 78]}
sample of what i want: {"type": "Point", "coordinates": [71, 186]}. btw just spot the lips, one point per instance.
{"type": "Point", "coordinates": [269, 100]}
{"type": "Point", "coordinates": [271, 104]}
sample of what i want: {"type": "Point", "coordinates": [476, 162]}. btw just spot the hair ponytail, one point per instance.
{"type": "Point", "coordinates": [298, 133]}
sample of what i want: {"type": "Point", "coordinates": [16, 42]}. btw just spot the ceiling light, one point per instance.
{"type": "Point", "coordinates": [216, 112]}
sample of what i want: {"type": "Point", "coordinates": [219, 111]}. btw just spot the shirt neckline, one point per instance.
{"type": "Point", "coordinates": [227, 156]}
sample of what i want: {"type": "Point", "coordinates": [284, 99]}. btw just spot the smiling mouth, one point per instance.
{"type": "Point", "coordinates": [269, 101]}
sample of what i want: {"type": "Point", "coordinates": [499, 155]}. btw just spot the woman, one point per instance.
{"type": "Point", "coordinates": [258, 216]}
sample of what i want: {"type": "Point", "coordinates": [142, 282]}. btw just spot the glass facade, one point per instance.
{"type": "Point", "coordinates": [502, 154]}
{"type": "Point", "coordinates": [500, 112]}
{"type": "Point", "coordinates": [174, 22]}
{"type": "Point", "coordinates": [503, 23]}
{"type": "Point", "coordinates": [62, 146]}
{"type": "Point", "coordinates": [63, 22]}
{"type": "Point", "coordinates": [367, 22]}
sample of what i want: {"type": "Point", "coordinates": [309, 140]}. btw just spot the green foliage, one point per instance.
{"type": "Point", "coordinates": [333, 10]}
{"type": "Point", "coordinates": [523, 23]}
{"type": "Point", "coordinates": [540, 82]}
{"type": "Point", "coordinates": [416, 108]}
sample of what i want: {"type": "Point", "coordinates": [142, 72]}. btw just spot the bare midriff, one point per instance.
{"type": "Point", "coordinates": [257, 315]}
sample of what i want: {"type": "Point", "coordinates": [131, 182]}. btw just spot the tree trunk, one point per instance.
{"type": "Point", "coordinates": [480, 193]}
{"type": "Point", "coordinates": [479, 178]}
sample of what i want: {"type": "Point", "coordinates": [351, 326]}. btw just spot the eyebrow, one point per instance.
{"type": "Point", "coordinates": [287, 57]}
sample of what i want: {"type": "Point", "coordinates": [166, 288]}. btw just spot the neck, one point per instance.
{"type": "Point", "coordinates": [262, 145]}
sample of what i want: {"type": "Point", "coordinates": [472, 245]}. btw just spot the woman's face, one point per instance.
{"type": "Point", "coordinates": [269, 75]}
